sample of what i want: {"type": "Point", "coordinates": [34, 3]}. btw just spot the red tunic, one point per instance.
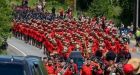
{"type": "Point", "coordinates": [48, 45]}
{"type": "Point", "coordinates": [60, 45]}
{"type": "Point", "coordinates": [117, 46]}
{"type": "Point", "coordinates": [86, 70]}
{"type": "Point", "coordinates": [50, 69]}
{"type": "Point", "coordinates": [68, 72]}
{"type": "Point", "coordinates": [43, 38]}
{"type": "Point", "coordinates": [40, 39]}
{"type": "Point", "coordinates": [113, 48]}
{"type": "Point", "coordinates": [58, 70]}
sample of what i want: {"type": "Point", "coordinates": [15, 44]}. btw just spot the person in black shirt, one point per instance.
{"type": "Point", "coordinates": [53, 11]}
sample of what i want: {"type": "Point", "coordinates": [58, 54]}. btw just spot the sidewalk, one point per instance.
{"type": "Point", "coordinates": [137, 52]}
{"type": "Point", "coordinates": [25, 48]}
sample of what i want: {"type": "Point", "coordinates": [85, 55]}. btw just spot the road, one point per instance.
{"type": "Point", "coordinates": [20, 48]}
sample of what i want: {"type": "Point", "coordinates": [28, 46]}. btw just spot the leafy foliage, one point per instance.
{"type": "Point", "coordinates": [32, 3]}
{"type": "Point", "coordinates": [54, 3]}
{"type": "Point", "coordinates": [108, 8]}
{"type": "Point", "coordinates": [128, 11]}
{"type": "Point", "coordinates": [83, 5]}
{"type": "Point", "coordinates": [120, 10]}
{"type": "Point", "coordinates": [5, 20]}
{"type": "Point", "coordinates": [98, 7]}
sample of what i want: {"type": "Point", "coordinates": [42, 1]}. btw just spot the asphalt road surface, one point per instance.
{"type": "Point", "coordinates": [20, 48]}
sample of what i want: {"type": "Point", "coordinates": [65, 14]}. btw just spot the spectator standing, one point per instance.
{"type": "Point", "coordinates": [137, 36]}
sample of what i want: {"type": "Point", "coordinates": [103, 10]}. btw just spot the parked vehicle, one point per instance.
{"type": "Point", "coordinates": [19, 65]}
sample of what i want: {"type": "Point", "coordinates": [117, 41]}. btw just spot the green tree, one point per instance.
{"type": "Point", "coordinates": [109, 8]}
{"type": "Point", "coordinates": [5, 20]}
{"type": "Point", "coordinates": [99, 7]}
{"type": "Point", "coordinates": [120, 10]}
{"type": "Point", "coordinates": [128, 11]}
{"type": "Point", "coordinates": [83, 5]}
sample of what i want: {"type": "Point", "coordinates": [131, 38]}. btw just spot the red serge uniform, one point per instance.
{"type": "Point", "coordinates": [75, 68]}
{"type": "Point", "coordinates": [71, 48]}
{"type": "Point", "coordinates": [43, 37]}
{"type": "Point", "coordinates": [35, 34]}
{"type": "Point", "coordinates": [113, 48]}
{"type": "Point", "coordinates": [107, 44]}
{"type": "Point", "coordinates": [95, 45]}
{"type": "Point", "coordinates": [58, 70]}
{"type": "Point", "coordinates": [60, 45]}
{"type": "Point", "coordinates": [86, 70]}
{"type": "Point", "coordinates": [20, 28]}
{"type": "Point", "coordinates": [69, 72]}
{"type": "Point", "coordinates": [50, 69]}
{"type": "Point", "coordinates": [25, 30]}
{"type": "Point", "coordinates": [107, 30]}
{"type": "Point", "coordinates": [27, 33]}
{"type": "Point", "coordinates": [55, 49]}
{"type": "Point", "coordinates": [48, 45]}
{"type": "Point", "coordinates": [30, 32]}
{"type": "Point", "coordinates": [99, 71]}
{"type": "Point", "coordinates": [104, 50]}
{"type": "Point", "coordinates": [15, 27]}
{"type": "Point", "coordinates": [117, 46]}
{"type": "Point", "coordinates": [39, 37]}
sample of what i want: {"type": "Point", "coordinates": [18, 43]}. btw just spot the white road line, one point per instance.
{"type": "Point", "coordinates": [17, 49]}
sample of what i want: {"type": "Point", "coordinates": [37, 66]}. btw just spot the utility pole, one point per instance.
{"type": "Point", "coordinates": [137, 14]}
